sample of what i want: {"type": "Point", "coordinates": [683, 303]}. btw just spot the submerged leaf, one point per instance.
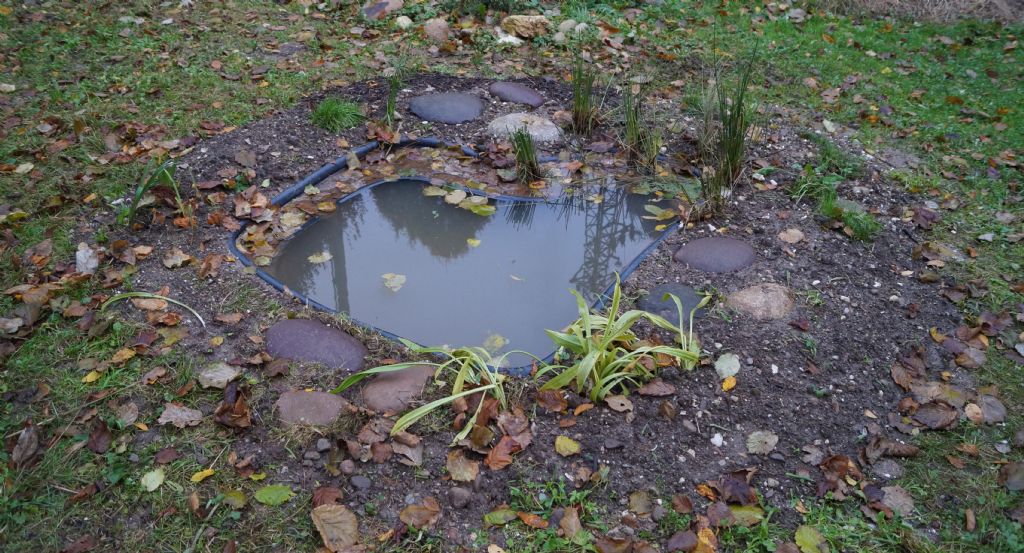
{"type": "Point", "coordinates": [393, 282]}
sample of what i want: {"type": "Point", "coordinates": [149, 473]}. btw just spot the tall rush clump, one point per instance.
{"type": "Point", "coordinates": [584, 105]}
{"type": "Point", "coordinates": [643, 144]}
{"type": "Point", "coordinates": [723, 134]}
{"type": "Point", "coordinates": [527, 167]}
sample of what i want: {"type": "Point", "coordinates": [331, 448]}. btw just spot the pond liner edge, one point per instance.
{"type": "Point", "coordinates": [293, 191]}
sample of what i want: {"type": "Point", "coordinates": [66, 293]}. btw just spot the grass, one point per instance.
{"type": "Point", "coordinates": [639, 138]}
{"type": "Point", "coordinates": [584, 98]}
{"type": "Point", "coordinates": [725, 118]}
{"type": "Point", "coordinates": [336, 115]}
{"type": "Point", "coordinates": [527, 167]}
{"type": "Point", "coordinates": [821, 182]}
{"type": "Point", "coordinates": [947, 93]}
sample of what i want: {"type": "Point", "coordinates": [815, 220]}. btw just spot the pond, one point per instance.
{"type": "Point", "coordinates": [420, 268]}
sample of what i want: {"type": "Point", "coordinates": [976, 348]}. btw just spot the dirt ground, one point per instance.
{"type": "Point", "coordinates": [823, 389]}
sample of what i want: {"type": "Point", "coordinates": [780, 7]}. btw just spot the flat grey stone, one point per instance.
{"type": "Point", "coordinates": [541, 129]}
{"type": "Point", "coordinates": [716, 254]}
{"type": "Point", "coordinates": [447, 107]}
{"type": "Point", "coordinates": [312, 408]}
{"type": "Point", "coordinates": [393, 392]}
{"type": "Point", "coordinates": [763, 301]}
{"type": "Point", "coordinates": [310, 341]}
{"type": "Point", "coordinates": [516, 93]}
{"type": "Point", "coordinates": [653, 303]}
{"type": "Point", "coordinates": [360, 482]}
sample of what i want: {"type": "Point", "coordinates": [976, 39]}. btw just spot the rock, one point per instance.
{"type": "Point", "coordinates": [448, 107]}
{"type": "Point", "coordinates": [653, 303]}
{"type": "Point", "coordinates": [658, 513]}
{"type": "Point", "coordinates": [682, 541]}
{"type": "Point", "coordinates": [310, 341]}
{"type": "Point", "coordinates": [505, 38]}
{"type": "Point", "coordinates": [378, 9]}
{"type": "Point", "coordinates": [459, 497]}
{"type": "Point", "coordinates": [567, 25]}
{"type": "Point", "coordinates": [611, 443]}
{"type": "Point", "coordinates": [525, 26]}
{"type": "Point", "coordinates": [217, 375]}
{"type": "Point", "coordinates": [360, 482]}
{"type": "Point", "coordinates": [403, 22]}
{"type": "Point", "coordinates": [887, 469]}
{"type": "Point", "coordinates": [558, 37]}
{"type": "Point", "coordinates": [312, 456]}
{"type": "Point", "coordinates": [312, 408]}
{"type": "Point", "coordinates": [516, 93]}
{"type": "Point", "coordinates": [323, 444]}
{"type": "Point", "coordinates": [436, 29]}
{"type": "Point", "coordinates": [716, 254]}
{"type": "Point", "coordinates": [763, 301]}
{"type": "Point", "coordinates": [541, 129]}
{"type": "Point", "coordinates": [392, 392]}
{"type": "Point", "coordinates": [347, 467]}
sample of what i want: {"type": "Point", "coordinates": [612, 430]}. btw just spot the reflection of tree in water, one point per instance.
{"type": "Point", "coordinates": [292, 266]}
{"type": "Point", "coordinates": [609, 225]}
{"type": "Point", "coordinates": [441, 228]}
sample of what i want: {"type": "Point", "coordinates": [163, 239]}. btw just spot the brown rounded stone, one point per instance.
{"type": "Point", "coordinates": [310, 341]}
{"type": "Point", "coordinates": [763, 301]}
{"type": "Point", "coordinates": [392, 392]}
{"type": "Point", "coordinates": [312, 408]}
{"type": "Point", "coordinates": [516, 93]}
{"type": "Point", "coordinates": [716, 254]}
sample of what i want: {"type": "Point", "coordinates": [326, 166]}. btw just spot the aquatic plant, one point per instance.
{"type": "Point", "coordinates": [584, 100]}
{"type": "Point", "coordinates": [527, 167]}
{"type": "Point", "coordinates": [605, 353]}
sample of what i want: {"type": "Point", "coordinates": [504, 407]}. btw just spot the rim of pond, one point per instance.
{"type": "Point", "coordinates": [341, 163]}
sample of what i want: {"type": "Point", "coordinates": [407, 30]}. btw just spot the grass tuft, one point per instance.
{"type": "Point", "coordinates": [584, 104]}
{"type": "Point", "coordinates": [336, 115]}
{"type": "Point", "coordinates": [527, 167]}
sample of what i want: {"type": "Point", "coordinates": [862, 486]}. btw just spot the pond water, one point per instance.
{"type": "Point", "coordinates": [461, 279]}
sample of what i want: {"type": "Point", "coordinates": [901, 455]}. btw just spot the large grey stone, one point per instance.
{"type": "Point", "coordinates": [393, 392]}
{"type": "Point", "coordinates": [310, 341]}
{"type": "Point", "coordinates": [653, 303]}
{"type": "Point", "coordinates": [312, 408]}
{"type": "Point", "coordinates": [447, 107]}
{"type": "Point", "coordinates": [763, 301]}
{"type": "Point", "coordinates": [540, 129]}
{"type": "Point", "coordinates": [516, 93]}
{"type": "Point", "coordinates": [716, 254]}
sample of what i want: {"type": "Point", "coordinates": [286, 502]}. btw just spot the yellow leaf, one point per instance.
{"type": "Point", "coordinates": [202, 475]}
{"type": "Point", "coordinates": [216, 341]}
{"type": "Point", "coordinates": [123, 355]}
{"type": "Point", "coordinates": [256, 477]}
{"type": "Point", "coordinates": [473, 242]}
{"type": "Point", "coordinates": [142, 426]}
{"type": "Point", "coordinates": [729, 383]}
{"type": "Point", "coordinates": [93, 376]}
{"type": "Point", "coordinates": [566, 446]}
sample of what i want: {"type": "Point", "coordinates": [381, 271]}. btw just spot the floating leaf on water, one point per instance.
{"type": "Point", "coordinates": [495, 342]}
{"type": "Point", "coordinates": [322, 257]}
{"type": "Point", "coordinates": [473, 242]}
{"type": "Point", "coordinates": [274, 494]}
{"type": "Point", "coordinates": [659, 213]}
{"type": "Point", "coordinates": [596, 198]}
{"type": "Point", "coordinates": [393, 282]}
{"type": "Point", "coordinates": [455, 196]}
{"type": "Point", "coordinates": [483, 210]}
{"type": "Point", "coordinates": [433, 191]}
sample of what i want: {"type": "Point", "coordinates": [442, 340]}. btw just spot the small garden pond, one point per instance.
{"type": "Point", "coordinates": [421, 268]}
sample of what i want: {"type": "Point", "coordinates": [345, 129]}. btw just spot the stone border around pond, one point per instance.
{"type": "Point", "coordinates": [340, 164]}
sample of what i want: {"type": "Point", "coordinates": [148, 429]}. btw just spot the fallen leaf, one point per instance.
{"type": "Point", "coordinates": [338, 526]}
{"type": "Point", "coordinates": [727, 364]}
{"type": "Point", "coordinates": [619, 403]}
{"type": "Point", "coordinates": [177, 258]}
{"type": "Point", "coordinates": [460, 468]}
{"type": "Point", "coordinates": [274, 494]}
{"type": "Point", "coordinates": [810, 540]}
{"type": "Point", "coordinates": [762, 442]}
{"type": "Point", "coordinates": [791, 235]}
{"type": "Point", "coordinates": [179, 415]}
{"type": "Point", "coordinates": [421, 515]}
{"type": "Point", "coordinates": [152, 479]}
{"type": "Point", "coordinates": [566, 446]}
{"type": "Point", "coordinates": [202, 475]}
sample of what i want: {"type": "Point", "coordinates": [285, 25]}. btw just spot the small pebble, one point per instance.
{"type": "Point", "coordinates": [323, 444]}
{"type": "Point", "coordinates": [347, 467]}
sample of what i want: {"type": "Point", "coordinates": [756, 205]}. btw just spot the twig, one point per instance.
{"type": "Point", "coordinates": [127, 295]}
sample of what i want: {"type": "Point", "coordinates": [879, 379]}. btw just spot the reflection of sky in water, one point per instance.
{"type": "Point", "coordinates": [514, 284]}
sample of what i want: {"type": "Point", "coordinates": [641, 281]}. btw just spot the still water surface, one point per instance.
{"type": "Point", "coordinates": [496, 280]}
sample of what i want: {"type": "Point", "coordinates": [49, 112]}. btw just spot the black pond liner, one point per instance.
{"type": "Point", "coordinates": [341, 163]}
